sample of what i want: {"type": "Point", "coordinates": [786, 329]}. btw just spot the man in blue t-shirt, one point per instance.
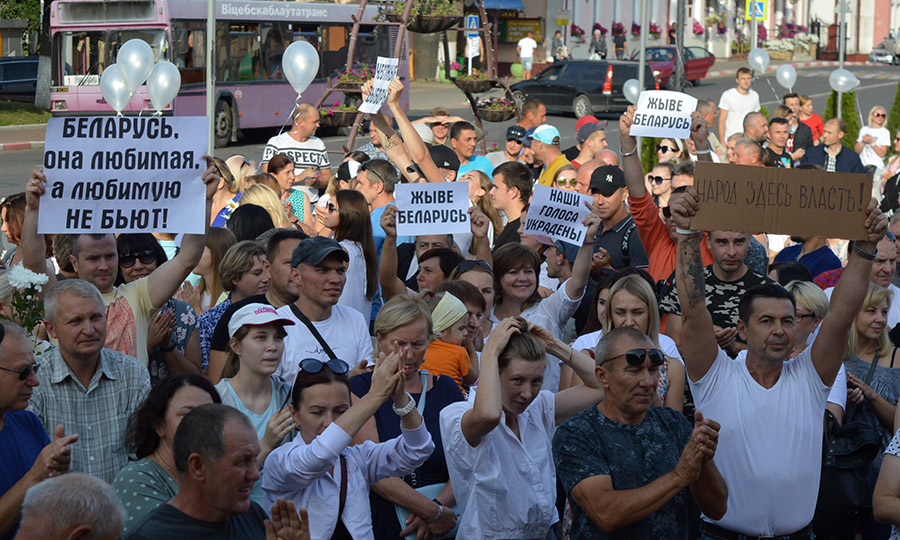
{"type": "Point", "coordinates": [26, 454]}
{"type": "Point", "coordinates": [812, 252]}
{"type": "Point", "coordinates": [463, 141]}
{"type": "Point", "coordinates": [625, 464]}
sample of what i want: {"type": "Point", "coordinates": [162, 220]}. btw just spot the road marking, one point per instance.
{"type": "Point", "coordinates": [823, 94]}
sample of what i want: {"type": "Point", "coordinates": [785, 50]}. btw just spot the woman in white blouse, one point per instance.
{"type": "Point", "coordinates": [498, 448]}
{"type": "Point", "coordinates": [319, 471]}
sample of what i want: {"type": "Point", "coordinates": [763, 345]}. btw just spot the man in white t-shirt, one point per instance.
{"type": "Point", "coordinates": [312, 168]}
{"type": "Point", "coordinates": [525, 49]}
{"type": "Point", "coordinates": [771, 410]}
{"type": "Point", "coordinates": [735, 103]}
{"type": "Point", "coordinates": [318, 270]}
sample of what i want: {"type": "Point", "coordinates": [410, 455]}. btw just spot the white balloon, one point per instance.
{"type": "Point", "coordinates": [163, 84]}
{"type": "Point", "coordinates": [135, 61]}
{"type": "Point", "coordinates": [758, 60]}
{"type": "Point", "coordinates": [786, 76]}
{"type": "Point", "coordinates": [632, 89]}
{"type": "Point", "coordinates": [113, 88]}
{"type": "Point", "coordinates": [301, 64]}
{"type": "Point", "coordinates": [842, 80]}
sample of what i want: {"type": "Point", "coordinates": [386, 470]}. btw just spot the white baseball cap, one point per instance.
{"type": "Point", "coordinates": [255, 314]}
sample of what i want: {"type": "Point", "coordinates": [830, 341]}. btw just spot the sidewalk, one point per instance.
{"type": "Point", "coordinates": [424, 95]}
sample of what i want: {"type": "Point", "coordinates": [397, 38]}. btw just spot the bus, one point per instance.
{"type": "Point", "coordinates": [251, 35]}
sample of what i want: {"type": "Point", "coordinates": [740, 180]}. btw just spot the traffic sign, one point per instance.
{"type": "Point", "coordinates": [756, 9]}
{"type": "Point", "coordinates": [472, 22]}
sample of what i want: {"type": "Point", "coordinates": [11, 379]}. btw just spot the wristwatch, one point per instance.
{"type": "Point", "coordinates": [407, 409]}
{"type": "Point", "coordinates": [440, 511]}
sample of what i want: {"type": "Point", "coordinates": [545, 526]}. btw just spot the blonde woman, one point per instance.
{"type": "Point", "coordinates": [872, 145]}
{"type": "Point", "coordinates": [227, 195]}
{"type": "Point", "coordinates": [267, 198]}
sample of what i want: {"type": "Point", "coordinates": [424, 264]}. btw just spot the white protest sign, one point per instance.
{"type": "Point", "coordinates": [385, 71]}
{"type": "Point", "coordinates": [557, 213]}
{"type": "Point", "coordinates": [663, 113]}
{"type": "Point", "coordinates": [438, 208]}
{"type": "Point", "coordinates": [124, 174]}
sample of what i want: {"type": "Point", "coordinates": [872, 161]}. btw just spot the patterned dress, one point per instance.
{"type": "Point", "coordinates": [184, 325]}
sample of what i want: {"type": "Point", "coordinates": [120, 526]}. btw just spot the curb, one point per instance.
{"type": "Point", "coordinates": [33, 145]}
{"type": "Point", "coordinates": [797, 65]}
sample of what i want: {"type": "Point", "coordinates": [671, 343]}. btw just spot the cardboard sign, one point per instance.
{"type": "Point", "coordinates": [385, 71]}
{"type": "Point", "coordinates": [439, 208]}
{"type": "Point", "coordinates": [558, 214]}
{"type": "Point", "coordinates": [662, 113]}
{"type": "Point", "coordinates": [124, 174]}
{"type": "Point", "coordinates": [798, 202]}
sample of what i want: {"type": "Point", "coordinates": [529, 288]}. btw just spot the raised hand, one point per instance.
{"type": "Point", "coordinates": [699, 130]}
{"type": "Point", "coordinates": [876, 222]}
{"type": "Point", "coordinates": [500, 335]}
{"type": "Point", "coordinates": [286, 524]}
{"type": "Point", "coordinates": [625, 122]}
{"type": "Point", "coordinates": [279, 425]}
{"type": "Point", "coordinates": [478, 222]}
{"type": "Point", "coordinates": [160, 332]}
{"type": "Point", "coordinates": [395, 88]}
{"type": "Point", "coordinates": [54, 459]}
{"type": "Point", "coordinates": [600, 260]}
{"type": "Point", "coordinates": [211, 177]}
{"type": "Point", "coordinates": [35, 188]}
{"type": "Point", "coordinates": [592, 222]}
{"type": "Point", "coordinates": [389, 221]}
{"type": "Point", "coordinates": [386, 375]}
{"type": "Point", "coordinates": [684, 208]}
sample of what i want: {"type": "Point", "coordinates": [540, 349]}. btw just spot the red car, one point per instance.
{"type": "Point", "coordinates": [661, 60]}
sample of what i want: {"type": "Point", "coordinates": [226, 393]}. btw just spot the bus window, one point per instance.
{"type": "Point", "coordinates": [371, 42]}
{"type": "Point", "coordinates": [81, 56]}
{"type": "Point", "coordinates": [189, 51]}
{"type": "Point", "coordinates": [310, 32]}
{"type": "Point", "coordinates": [333, 57]}
{"type": "Point", "coordinates": [274, 37]}
{"type": "Point", "coordinates": [243, 52]}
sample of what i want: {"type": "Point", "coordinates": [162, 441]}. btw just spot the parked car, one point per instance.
{"type": "Point", "coordinates": [697, 62]}
{"type": "Point", "coordinates": [583, 87]}
{"type": "Point", "coordinates": [18, 77]}
{"type": "Point", "coordinates": [885, 53]}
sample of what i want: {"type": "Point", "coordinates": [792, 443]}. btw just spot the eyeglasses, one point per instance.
{"type": "Point", "coordinates": [664, 148]}
{"type": "Point", "coordinates": [470, 264]}
{"type": "Point", "coordinates": [331, 208]}
{"type": "Point", "coordinates": [313, 366]}
{"type": "Point", "coordinates": [366, 167]}
{"type": "Point", "coordinates": [126, 260]}
{"type": "Point", "coordinates": [636, 357]}
{"type": "Point", "coordinates": [561, 182]}
{"type": "Point", "coordinates": [658, 180]}
{"type": "Point", "coordinates": [24, 372]}
{"type": "Point", "coordinates": [801, 316]}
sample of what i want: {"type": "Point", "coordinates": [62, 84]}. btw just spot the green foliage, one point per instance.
{"type": "Point", "coordinates": [893, 122]}
{"type": "Point", "coordinates": [29, 10]}
{"type": "Point", "coordinates": [649, 156]}
{"type": "Point", "coordinates": [765, 112]}
{"type": "Point", "coordinates": [849, 114]}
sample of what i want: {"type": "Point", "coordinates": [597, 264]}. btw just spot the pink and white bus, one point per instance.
{"type": "Point", "coordinates": [251, 35]}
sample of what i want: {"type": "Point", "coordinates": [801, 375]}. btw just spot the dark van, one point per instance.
{"type": "Point", "coordinates": [18, 77]}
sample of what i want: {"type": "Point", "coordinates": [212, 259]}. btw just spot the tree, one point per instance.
{"type": "Point", "coordinates": [893, 122]}
{"type": "Point", "coordinates": [649, 157]}
{"type": "Point", "coordinates": [849, 114]}
{"type": "Point", "coordinates": [28, 10]}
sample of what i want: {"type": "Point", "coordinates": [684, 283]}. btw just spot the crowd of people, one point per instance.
{"type": "Point", "coordinates": [301, 371]}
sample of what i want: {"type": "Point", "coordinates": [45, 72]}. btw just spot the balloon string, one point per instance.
{"type": "Point", "coordinates": [280, 131]}
{"type": "Point", "coordinates": [772, 87]}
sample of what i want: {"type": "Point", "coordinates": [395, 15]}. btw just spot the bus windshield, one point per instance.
{"type": "Point", "coordinates": [81, 56]}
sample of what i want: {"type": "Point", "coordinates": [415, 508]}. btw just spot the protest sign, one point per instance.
{"type": "Point", "coordinates": [662, 113]}
{"type": "Point", "coordinates": [799, 202]}
{"type": "Point", "coordinates": [558, 214]}
{"type": "Point", "coordinates": [439, 208]}
{"type": "Point", "coordinates": [385, 71]}
{"type": "Point", "coordinates": [124, 174]}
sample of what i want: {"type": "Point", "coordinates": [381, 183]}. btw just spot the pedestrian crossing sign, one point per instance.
{"type": "Point", "coordinates": [755, 9]}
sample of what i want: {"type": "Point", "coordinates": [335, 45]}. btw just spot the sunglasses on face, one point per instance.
{"type": "Point", "coordinates": [664, 148]}
{"type": "Point", "coordinates": [879, 115]}
{"type": "Point", "coordinates": [469, 264]}
{"type": "Point", "coordinates": [126, 260]}
{"type": "Point", "coordinates": [561, 182]}
{"type": "Point", "coordinates": [24, 372]}
{"type": "Point", "coordinates": [635, 357]}
{"type": "Point", "coordinates": [658, 180]}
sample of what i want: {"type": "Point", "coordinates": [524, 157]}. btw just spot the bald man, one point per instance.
{"type": "Point", "coordinates": [831, 154]}
{"type": "Point", "coordinates": [608, 157]}
{"type": "Point", "coordinates": [312, 168]}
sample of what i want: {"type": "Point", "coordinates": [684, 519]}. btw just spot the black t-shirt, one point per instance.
{"type": "Point", "coordinates": [802, 138]}
{"type": "Point", "coordinates": [782, 161]}
{"type": "Point", "coordinates": [622, 235]}
{"type": "Point", "coordinates": [166, 522]}
{"type": "Point", "coordinates": [220, 337]}
{"type": "Point", "coordinates": [510, 233]}
{"type": "Point", "coordinates": [619, 41]}
{"type": "Point", "coordinates": [571, 152]}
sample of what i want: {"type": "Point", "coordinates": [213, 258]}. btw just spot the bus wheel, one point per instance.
{"type": "Point", "coordinates": [224, 123]}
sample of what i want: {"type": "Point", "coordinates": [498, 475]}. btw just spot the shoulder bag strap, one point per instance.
{"type": "Point", "coordinates": [340, 531]}
{"type": "Point", "coordinates": [312, 328]}
{"type": "Point", "coordinates": [421, 404]}
{"type": "Point", "coordinates": [872, 369]}
{"type": "Point", "coordinates": [893, 354]}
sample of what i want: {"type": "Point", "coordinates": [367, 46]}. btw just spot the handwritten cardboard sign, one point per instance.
{"type": "Point", "coordinates": [385, 71]}
{"type": "Point", "coordinates": [439, 208]}
{"type": "Point", "coordinates": [124, 174]}
{"type": "Point", "coordinates": [663, 113]}
{"type": "Point", "coordinates": [558, 214]}
{"type": "Point", "coordinates": [799, 202]}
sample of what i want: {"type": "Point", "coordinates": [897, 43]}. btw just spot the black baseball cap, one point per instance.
{"type": "Point", "coordinates": [444, 157]}
{"type": "Point", "coordinates": [607, 180]}
{"type": "Point", "coordinates": [313, 251]}
{"type": "Point", "coordinates": [516, 133]}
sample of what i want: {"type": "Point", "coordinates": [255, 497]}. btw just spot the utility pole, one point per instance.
{"type": "Point", "coordinates": [679, 46]}
{"type": "Point", "coordinates": [642, 58]}
{"type": "Point", "coordinates": [842, 9]}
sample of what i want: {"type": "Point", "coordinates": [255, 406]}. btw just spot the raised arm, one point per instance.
{"type": "Point", "coordinates": [849, 293]}
{"type": "Point", "coordinates": [581, 266]}
{"type": "Point", "coordinates": [481, 244]}
{"type": "Point", "coordinates": [165, 280]}
{"type": "Point", "coordinates": [577, 398]}
{"type": "Point", "coordinates": [391, 285]}
{"type": "Point", "coordinates": [34, 256]}
{"type": "Point", "coordinates": [697, 338]}
{"type": "Point", "coordinates": [700, 136]}
{"type": "Point", "coordinates": [631, 163]}
{"type": "Point", "coordinates": [415, 147]}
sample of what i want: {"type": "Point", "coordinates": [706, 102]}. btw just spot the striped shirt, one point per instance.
{"type": "Point", "coordinates": [98, 414]}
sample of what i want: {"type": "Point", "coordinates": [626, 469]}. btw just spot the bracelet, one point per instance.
{"type": "Point", "coordinates": [440, 511]}
{"type": "Point", "coordinates": [626, 154]}
{"type": "Point", "coordinates": [687, 232]}
{"type": "Point", "coordinates": [863, 253]}
{"type": "Point", "coordinates": [407, 409]}
{"type": "Point", "coordinates": [591, 243]}
{"type": "Point", "coordinates": [701, 152]}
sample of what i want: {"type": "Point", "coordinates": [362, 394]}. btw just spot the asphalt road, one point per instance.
{"type": "Point", "coordinates": [877, 87]}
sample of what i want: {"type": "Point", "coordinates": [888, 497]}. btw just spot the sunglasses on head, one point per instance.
{"type": "Point", "coordinates": [664, 148]}
{"type": "Point", "coordinates": [562, 182]}
{"type": "Point", "coordinates": [126, 260]}
{"type": "Point", "coordinates": [366, 167]}
{"type": "Point", "coordinates": [635, 357]}
{"type": "Point", "coordinates": [470, 264]}
{"type": "Point", "coordinates": [313, 366]}
{"type": "Point", "coordinates": [658, 180]}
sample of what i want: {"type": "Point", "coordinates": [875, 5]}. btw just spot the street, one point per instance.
{"type": "Point", "coordinates": [877, 87]}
